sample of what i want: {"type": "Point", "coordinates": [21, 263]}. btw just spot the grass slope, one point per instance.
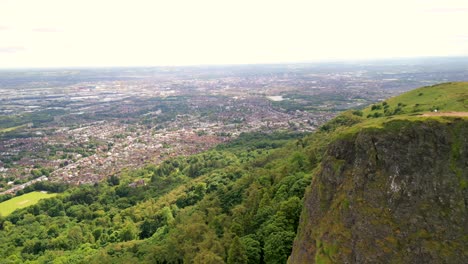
{"type": "Point", "coordinates": [445, 97]}
{"type": "Point", "coordinates": [22, 201]}
{"type": "Point", "coordinates": [450, 100]}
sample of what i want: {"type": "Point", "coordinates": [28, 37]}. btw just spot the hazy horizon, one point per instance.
{"type": "Point", "coordinates": [143, 33]}
{"type": "Point", "coordinates": [371, 61]}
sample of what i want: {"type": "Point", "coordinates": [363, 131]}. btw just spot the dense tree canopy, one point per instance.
{"type": "Point", "coordinates": [237, 203]}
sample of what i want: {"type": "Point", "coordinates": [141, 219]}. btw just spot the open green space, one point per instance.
{"type": "Point", "coordinates": [445, 97]}
{"type": "Point", "coordinates": [22, 201]}
{"type": "Point", "coordinates": [10, 129]}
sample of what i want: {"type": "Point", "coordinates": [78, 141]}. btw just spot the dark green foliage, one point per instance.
{"type": "Point", "coordinates": [128, 232]}
{"type": "Point", "coordinates": [237, 253]}
{"type": "Point", "coordinates": [357, 113]}
{"type": "Point", "coordinates": [192, 196]}
{"type": "Point", "coordinates": [85, 195]}
{"type": "Point", "coordinates": [225, 205]}
{"type": "Point", "coordinates": [260, 140]}
{"type": "Point", "coordinates": [376, 107]}
{"type": "Point", "coordinates": [113, 180]}
{"type": "Point", "coordinates": [5, 197]}
{"type": "Point", "coordinates": [375, 115]}
{"type": "Point", "coordinates": [278, 246]}
{"type": "Point", "coordinates": [344, 120]}
{"type": "Point", "coordinates": [48, 186]}
{"type": "Point", "coordinates": [148, 228]}
{"type": "Point", "coordinates": [252, 249]}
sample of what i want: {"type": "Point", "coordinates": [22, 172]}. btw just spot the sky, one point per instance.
{"type": "Point", "coordinates": [69, 33]}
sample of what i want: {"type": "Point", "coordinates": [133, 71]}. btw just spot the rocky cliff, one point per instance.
{"type": "Point", "coordinates": [397, 193]}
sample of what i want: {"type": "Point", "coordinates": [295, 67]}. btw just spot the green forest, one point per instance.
{"type": "Point", "coordinates": [237, 203]}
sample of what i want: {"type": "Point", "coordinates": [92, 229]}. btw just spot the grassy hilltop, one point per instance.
{"type": "Point", "coordinates": [446, 97]}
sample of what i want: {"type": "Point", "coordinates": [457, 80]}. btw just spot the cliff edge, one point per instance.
{"type": "Point", "coordinates": [397, 193]}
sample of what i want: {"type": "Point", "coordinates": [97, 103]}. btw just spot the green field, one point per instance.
{"type": "Point", "coordinates": [22, 201]}
{"type": "Point", "coordinates": [10, 129]}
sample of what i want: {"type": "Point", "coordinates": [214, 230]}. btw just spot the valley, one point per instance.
{"type": "Point", "coordinates": [220, 178]}
{"type": "Point", "coordinates": [81, 126]}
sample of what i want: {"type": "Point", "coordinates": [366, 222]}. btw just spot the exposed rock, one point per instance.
{"type": "Point", "coordinates": [397, 194]}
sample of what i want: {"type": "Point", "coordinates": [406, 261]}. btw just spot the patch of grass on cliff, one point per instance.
{"type": "Point", "coordinates": [22, 201]}
{"type": "Point", "coordinates": [445, 97]}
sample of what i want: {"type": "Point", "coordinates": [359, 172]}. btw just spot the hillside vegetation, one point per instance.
{"type": "Point", "coordinates": [238, 203]}
{"type": "Point", "coordinates": [446, 97]}
{"type": "Point", "coordinates": [390, 188]}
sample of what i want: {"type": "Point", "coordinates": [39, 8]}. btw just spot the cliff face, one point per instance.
{"type": "Point", "coordinates": [396, 194]}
